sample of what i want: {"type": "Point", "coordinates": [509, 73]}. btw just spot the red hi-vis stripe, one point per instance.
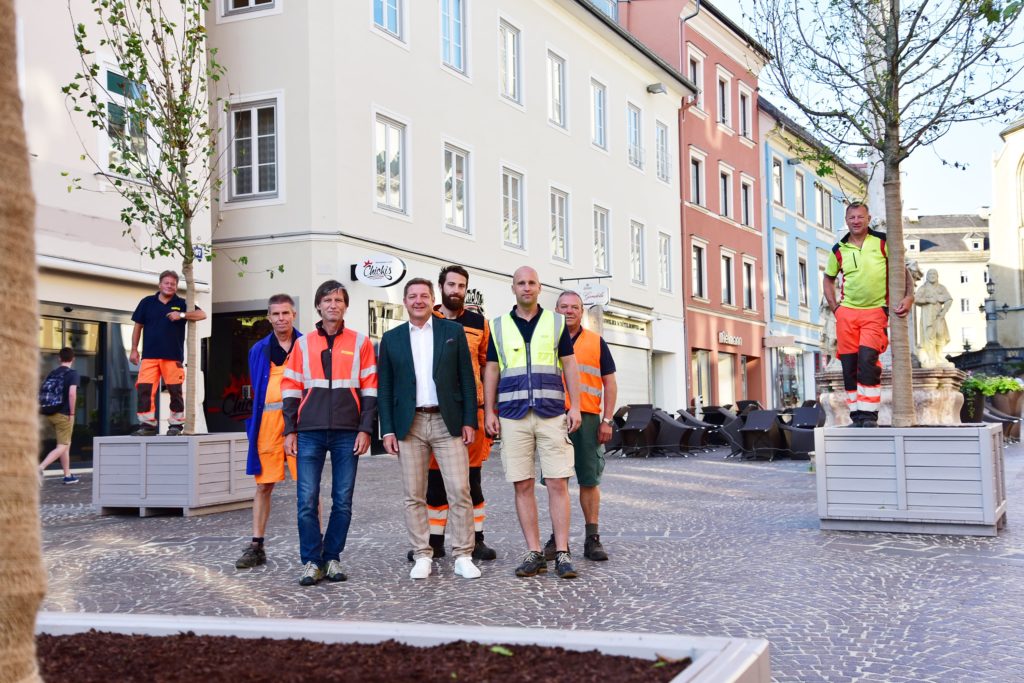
{"type": "Point", "coordinates": [851, 397]}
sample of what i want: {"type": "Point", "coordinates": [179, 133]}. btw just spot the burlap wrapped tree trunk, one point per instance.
{"type": "Point", "coordinates": [22, 577]}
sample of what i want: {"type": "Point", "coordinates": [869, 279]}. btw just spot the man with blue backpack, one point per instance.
{"type": "Point", "coordinates": [57, 396]}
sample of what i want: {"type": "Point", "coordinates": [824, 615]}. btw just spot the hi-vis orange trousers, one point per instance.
{"type": "Point", "coordinates": [150, 372]}
{"type": "Point", "coordinates": [861, 337]}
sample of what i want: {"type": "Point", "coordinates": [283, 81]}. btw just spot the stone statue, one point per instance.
{"type": "Point", "coordinates": [933, 301]}
{"type": "Point", "coordinates": [828, 333]}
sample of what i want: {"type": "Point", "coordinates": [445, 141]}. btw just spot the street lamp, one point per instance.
{"type": "Point", "coordinates": [993, 314]}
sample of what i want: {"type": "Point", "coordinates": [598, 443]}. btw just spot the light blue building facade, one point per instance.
{"type": "Point", "coordinates": [804, 217]}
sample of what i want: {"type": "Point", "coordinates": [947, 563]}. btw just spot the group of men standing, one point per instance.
{"type": "Point", "coordinates": [444, 383]}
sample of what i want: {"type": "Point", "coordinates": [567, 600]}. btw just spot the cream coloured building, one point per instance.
{"type": "Point", "coordinates": [91, 276]}
{"type": "Point", "coordinates": [1007, 233]}
{"type": "Point", "coordinates": [398, 133]}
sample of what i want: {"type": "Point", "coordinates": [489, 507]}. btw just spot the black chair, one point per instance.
{"type": "Point", "coordinates": [808, 417]}
{"type": "Point", "coordinates": [742, 406]}
{"type": "Point", "coordinates": [639, 432]}
{"type": "Point", "coordinates": [994, 415]}
{"type": "Point", "coordinates": [762, 437]}
{"type": "Point", "coordinates": [673, 435]}
{"type": "Point", "coordinates": [701, 430]}
{"type": "Point", "coordinates": [618, 420]}
{"type": "Point", "coordinates": [727, 430]}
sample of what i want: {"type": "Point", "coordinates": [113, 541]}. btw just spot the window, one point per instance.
{"type": "Point", "coordinates": [560, 225]}
{"type": "Point", "coordinates": [748, 285]}
{"type": "Point", "coordinates": [661, 147]}
{"type": "Point", "coordinates": [746, 123]}
{"type": "Point", "coordinates": [746, 205]}
{"type": "Point", "coordinates": [696, 73]}
{"type": "Point", "coordinates": [798, 192]}
{"type": "Point", "coordinates": [609, 7]}
{"type": "Point", "coordinates": [697, 180]}
{"type": "Point", "coordinates": [453, 43]}
{"type": "Point", "coordinates": [387, 14]}
{"type": "Point", "coordinates": [823, 198]}
{"type": "Point", "coordinates": [253, 151]}
{"type": "Point", "coordinates": [637, 268]}
{"type": "Point", "coordinates": [665, 262]}
{"type": "Point", "coordinates": [801, 268]}
{"type": "Point", "coordinates": [725, 194]}
{"type": "Point", "coordinates": [242, 6]}
{"type": "Point", "coordinates": [727, 280]}
{"type": "Point", "coordinates": [601, 240]}
{"type": "Point", "coordinates": [390, 159]}
{"type": "Point", "coordinates": [912, 246]}
{"type": "Point", "coordinates": [124, 125]}
{"type": "Point", "coordinates": [598, 114]}
{"type": "Point", "coordinates": [556, 90]}
{"type": "Point", "coordinates": [634, 136]}
{"type": "Point", "coordinates": [724, 115]}
{"type": "Point", "coordinates": [511, 208]}
{"type": "Point", "coordinates": [698, 271]}
{"type": "Point", "coordinates": [777, 181]}
{"type": "Point", "coordinates": [509, 37]}
{"type": "Point", "coordinates": [964, 277]}
{"type": "Point", "coordinates": [456, 175]}
{"type": "Point", "coordinates": [965, 305]}
{"type": "Point", "coordinates": [780, 275]}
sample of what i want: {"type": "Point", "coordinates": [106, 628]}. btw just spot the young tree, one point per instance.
{"type": "Point", "coordinates": [157, 117]}
{"type": "Point", "coordinates": [886, 77]}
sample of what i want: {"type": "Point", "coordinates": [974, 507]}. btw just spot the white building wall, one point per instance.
{"type": "Point", "coordinates": [1006, 232]}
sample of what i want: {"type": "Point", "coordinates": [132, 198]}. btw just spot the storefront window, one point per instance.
{"type": "Point", "coordinates": [789, 377]}
{"type": "Point", "coordinates": [700, 371]}
{"type": "Point", "coordinates": [228, 385]}
{"type": "Point", "coordinates": [726, 379]}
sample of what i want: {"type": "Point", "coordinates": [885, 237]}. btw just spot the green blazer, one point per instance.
{"type": "Point", "coordinates": [453, 379]}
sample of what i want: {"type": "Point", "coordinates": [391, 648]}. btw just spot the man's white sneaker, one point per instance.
{"type": "Point", "coordinates": [421, 569]}
{"type": "Point", "coordinates": [465, 568]}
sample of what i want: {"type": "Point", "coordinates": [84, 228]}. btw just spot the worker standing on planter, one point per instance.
{"type": "Point", "coordinates": [862, 311]}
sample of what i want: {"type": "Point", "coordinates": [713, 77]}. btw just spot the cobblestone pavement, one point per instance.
{"type": "Point", "coordinates": [702, 545]}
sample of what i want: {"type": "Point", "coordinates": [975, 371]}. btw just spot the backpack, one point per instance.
{"type": "Point", "coordinates": [51, 392]}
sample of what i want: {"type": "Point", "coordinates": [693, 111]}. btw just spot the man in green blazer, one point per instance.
{"type": "Point", "coordinates": [426, 398]}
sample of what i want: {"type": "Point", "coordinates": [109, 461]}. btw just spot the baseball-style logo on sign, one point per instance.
{"type": "Point", "coordinates": [379, 270]}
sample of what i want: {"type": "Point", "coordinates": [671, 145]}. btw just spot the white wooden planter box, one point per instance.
{"type": "Point", "coordinates": [199, 474]}
{"type": "Point", "coordinates": [715, 660]}
{"type": "Point", "coordinates": [933, 480]}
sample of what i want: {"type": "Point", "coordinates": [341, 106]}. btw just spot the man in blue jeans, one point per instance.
{"type": "Point", "coordinates": [329, 391]}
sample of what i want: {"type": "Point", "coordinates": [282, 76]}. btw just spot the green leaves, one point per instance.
{"type": "Point", "coordinates": [501, 650]}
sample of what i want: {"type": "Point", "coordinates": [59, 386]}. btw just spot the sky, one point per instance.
{"type": "Point", "coordinates": [928, 186]}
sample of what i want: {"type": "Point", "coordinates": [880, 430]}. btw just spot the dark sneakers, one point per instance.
{"type": "Point", "coordinates": [481, 551]}
{"type": "Point", "coordinates": [549, 549]}
{"type": "Point", "coordinates": [175, 430]}
{"type": "Point", "coordinates": [593, 550]}
{"type": "Point", "coordinates": [563, 566]}
{"type": "Point", "coordinates": [311, 574]}
{"type": "Point", "coordinates": [145, 430]}
{"type": "Point", "coordinates": [533, 563]}
{"type": "Point", "coordinates": [253, 556]}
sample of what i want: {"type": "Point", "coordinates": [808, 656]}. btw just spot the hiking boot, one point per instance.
{"type": "Point", "coordinates": [145, 430]}
{"type": "Point", "coordinates": [175, 430]}
{"type": "Point", "coordinates": [481, 551]}
{"type": "Point", "coordinates": [593, 550]}
{"type": "Point", "coordinates": [253, 556]}
{"type": "Point", "coordinates": [311, 574]}
{"type": "Point", "coordinates": [869, 423]}
{"type": "Point", "coordinates": [549, 549]}
{"type": "Point", "coordinates": [71, 479]}
{"type": "Point", "coordinates": [334, 572]}
{"type": "Point", "coordinates": [533, 563]}
{"type": "Point", "coordinates": [563, 566]}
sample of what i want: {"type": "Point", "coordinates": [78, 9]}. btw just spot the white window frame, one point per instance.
{"type": "Point", "coordinates": [699, 269]}
{"type": "Point", "coordinates": [746, 118]}
{"type": "Point", "coordinates": [454, 55]}
{"type": "Point", "coordinates": [725, 192]}
{"type": "Point", "coordinates": [965, 305]}
{"type": "Point", "coordinates": [510, 66]}
{"type": "Point", "coordinates": [823, 201]}
{"type": "Point", "coordinates": [454, 153]}
{"type": "Point", "coordinates": [803, 286]}
{"type": "Point", "coordinates": [637, 252]}
{"type": "Point", "coordinates": [662, 149]}
{"type": "Point", "coordinates": [723, 97]}
{"type": "Point", "coordinates": [253, 106]}
{"type": "Point", "coordinates": [696, 58]}
{"type": "Point", "coordinates": [559, 223]}
{"type": "Point", "coordinates": [965, 277]}
{"type": "Point", "coordinates": [602, 224]}
{"type": "Point", "coordinates": [399, 33]}
{"type": "Point", "coordinates": [506, 200]}
{"type": "Point", "coordinates": [598, 114]}
{"type": "Point", "coordinates": [749, 277]}
{"type": "Point", "coordinates": [778, 181]}
{"type": "Point", "coordinates": [665, 261]}
{"type": "Point", "coordinates": [558, 114]}
{"type": "Point", "coordinates": [780, 274]}
{"type": "Point", "coordinates": [727, 267]}
{"type": "Point", "coordinates": [402, 128]}
{"type": "Point", "coordinates": [746, 202]}
{"type": "Point", "coordinates": [635, 135]}
{"type": "Point", "coordinates": [106, 147]}
{"type": "Point", "coordinates": [226, 14]}
{"type": "Point", "coordinates": [698, 177]}
{"type": "Point", "coordinates": [800, 193]}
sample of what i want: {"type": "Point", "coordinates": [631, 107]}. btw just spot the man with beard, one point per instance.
{"type": "Point", "coordinates": [453, 282]}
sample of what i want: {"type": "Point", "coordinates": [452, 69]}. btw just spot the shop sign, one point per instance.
{"type": "Point", "coordinates": [379, 270]}
{"type": "Point", "coordinates": [625, 324]}
{"type": "Point", "coordinates": [594, 294]}
{"type": "Point", "coordinates": [474, 297]}
{"type": "Point", "coordinates": [731, 339]}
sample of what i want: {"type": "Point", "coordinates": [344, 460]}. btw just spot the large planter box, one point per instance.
{"type": "Point", "coordinates": [198, 474]}
{"type": "Point", "coordinates": [715, 660]}
{"type": "Point", "coordinates": [933, 480]}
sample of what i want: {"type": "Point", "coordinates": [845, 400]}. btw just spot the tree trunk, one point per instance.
{"type": "Point", "coordinates": [22, 575]}
{"type": "Point", "coordinates": [191, 356]}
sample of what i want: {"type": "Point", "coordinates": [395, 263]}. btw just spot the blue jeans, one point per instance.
{"type": "Point", "coordinates": [312, 452]}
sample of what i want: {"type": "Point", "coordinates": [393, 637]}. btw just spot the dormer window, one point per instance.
{"type": "Point", "coordinates": [913, 245]}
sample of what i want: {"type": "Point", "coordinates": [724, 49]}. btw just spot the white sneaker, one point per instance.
{"type": "Point", "coordinates": [421, 569]}
{"type": "Point", "coordinates": [465, 568]}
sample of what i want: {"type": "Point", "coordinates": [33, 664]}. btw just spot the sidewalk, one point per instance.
{"type": "Point", "coordinates": [700, 545]}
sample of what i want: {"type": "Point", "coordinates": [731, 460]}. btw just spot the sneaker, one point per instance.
{"type": "Point", "coordinates": [421, 569]}
{"type": "Point", "coordinates": [481, 551]}
{"type": "Point", "coordinates": [549, 549]}
{"type": "Point", "coordinates": [465, 568]}
{"type": "Point", "coordinates": [869, 423]}
{"type": "Point", "coordinates": [71, 479]}
{"type": "Point", "coordinates": [334, 572]}
{"type": "Point", "coordinates": [253, 556]}
{"type": "Point", "coordinates": [311, 574]}
{"type": "Point", "coordinates": [175, 430]}
{"type": "Point", "coordinates": [593, 550]}
{"type": "Point", "coordinates": [563, 566]}
{"type": "Point", "coordinates": [533, 563]}
{"type": "Point", "coordinates": [145, 430]}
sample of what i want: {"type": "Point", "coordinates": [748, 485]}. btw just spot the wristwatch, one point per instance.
{"type": "Point", "coordinates": [608, 421]}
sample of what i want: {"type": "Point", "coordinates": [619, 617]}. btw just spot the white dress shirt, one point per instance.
{"type": "Point", "coordinates": [422, 341]}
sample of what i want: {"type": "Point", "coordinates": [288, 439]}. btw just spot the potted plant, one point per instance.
{"type": "Point", "coordinates": [975, 388]}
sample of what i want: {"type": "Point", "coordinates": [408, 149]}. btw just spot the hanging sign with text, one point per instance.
{"type": "Point", "coordinates": [379, 270]}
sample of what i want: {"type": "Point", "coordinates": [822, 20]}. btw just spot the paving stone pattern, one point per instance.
{"type": "Point", "coordinates": [702, 545]}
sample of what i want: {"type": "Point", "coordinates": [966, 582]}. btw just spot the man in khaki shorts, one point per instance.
{"type": "Point", "coordinates": [529, 354]}
{"type": "Point", "coordinates": [62, 387]}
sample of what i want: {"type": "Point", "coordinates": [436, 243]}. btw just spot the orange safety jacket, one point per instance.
{"type": "Point", "coordinates": [477, 336]}
{"type": "Point", "coordinates": [330, 388]}
{"type": "Point", "coordinates": [587, 349]}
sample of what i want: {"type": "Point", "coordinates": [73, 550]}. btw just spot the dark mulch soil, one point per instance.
{"type": "Point", "coordinates": [105, 657]}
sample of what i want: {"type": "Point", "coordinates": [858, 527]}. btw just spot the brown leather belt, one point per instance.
{"type": "Point", "coordinates": [428, 409]}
